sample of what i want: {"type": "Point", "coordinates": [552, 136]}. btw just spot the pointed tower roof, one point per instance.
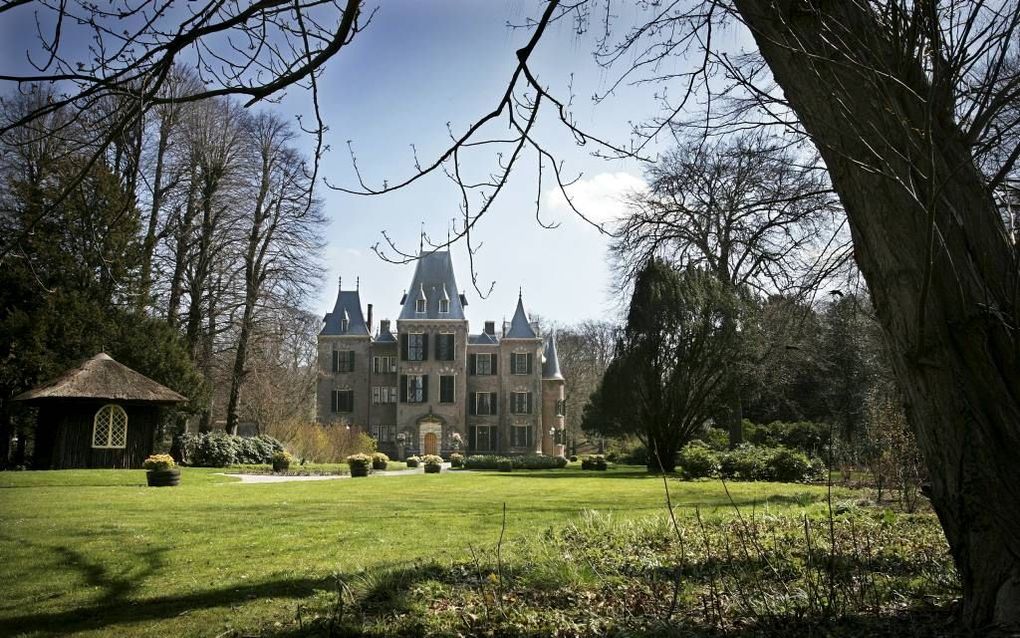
{"type": "Point", "coordinates": [103, 378]}
{"type": "Point", "coordinates": [520, 326]}
{"type": "Point", "coordinates": [348, 307]}
{"type": "Point", "coordinates": [433, 276]}
{"type": "Point", "coordinates": [551, 365]}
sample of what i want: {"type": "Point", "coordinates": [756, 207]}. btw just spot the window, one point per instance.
{"type": "Point", "coordinates": [520, 363]}
{"type": "Point", "coordinates": [343, 325]}
{"type": "Point", "coordinates": [419, 306]}
{"type": "Point", "coordinates": [483, 403]}
{"type": "Point", "coordinates": [446, 389]}
{"type": "Point", "coordinates": [415, 346]}
{"type": "Point", "coordinates": [481, 438]}
{"type": "Point", "coordinates": [521, 436]}
{"type": "Point", "coordinates": [416, 388]}
{"type": "Point", "coordinates": [483, 364]}
{"type": "Point", "coordinates": [384, 394]}
{"type": "Point", "coordinates": [444, 306]}
{"type": "Point", "coordinates": [343, 400]}
{"type": "Point", "coordinates": [343, 361]}
{"type": "Point", "coordinates": [444, 347]}
{"type": "Point", "coordinates": [561, 407]}
{"type": "Point", "coordinates": [520, 403]}
{"type": "Point", "coordinates": [383, 365]}
{"type": "Point", "coordinates": [109, 427]}
{"type": "Point", "coordinates": [384, 433]}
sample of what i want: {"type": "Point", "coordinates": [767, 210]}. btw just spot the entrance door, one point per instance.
{"type": "Point", "coordinates": [431, 446]}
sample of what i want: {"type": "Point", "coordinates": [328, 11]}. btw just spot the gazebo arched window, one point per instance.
{"type": "Point", "coordinates": [109, 427]}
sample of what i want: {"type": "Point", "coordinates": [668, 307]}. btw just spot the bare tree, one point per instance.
{"type": "Point", "coordinates": [282, 236]}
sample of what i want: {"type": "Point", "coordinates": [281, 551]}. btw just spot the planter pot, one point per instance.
{"type": "Point", "coordinates": [359, 471]}
{"type": "Point", "coordinates": [378, 466]}
{"type": "Point", "coordinates": [281, 467]}
{"type": "Point", "coordinates": [163, 478]}
{"type": "Point", "coordinates": [433, 469]}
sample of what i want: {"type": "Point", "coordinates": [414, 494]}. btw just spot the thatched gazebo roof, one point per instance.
{"type": "Point", "coordinates": [103, 378]}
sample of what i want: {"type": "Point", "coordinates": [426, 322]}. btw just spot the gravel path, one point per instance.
{"type": "Point", "coordinates": [278, 478]}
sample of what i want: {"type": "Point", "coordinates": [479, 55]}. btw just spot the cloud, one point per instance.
{"type": "Point", "coordinates": [602, 198]}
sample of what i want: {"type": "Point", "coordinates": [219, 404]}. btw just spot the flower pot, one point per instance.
{"type": "Point", "coordinates": [359, 470]}
{"type": "Point", "coordinates": [433, 469]}
{"type": "Point", "coordinates": [163, 478]}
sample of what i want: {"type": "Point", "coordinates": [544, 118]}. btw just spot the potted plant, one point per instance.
{"type": "Point", "coordinates": [380, 461]}
{"type": "Point", "coordinates": [282, 461]}
{"type": "Point", "coordinates": [359, 464]}
{"type": "Point", "coordinates": [412, 461]}
{"type": "Point", "coordinates": [433, 463]}
{"type": "Point", "coordinates": [504, 464]}
{"type": "Point", "coordinates": [456, 460]}
{"type": "Point", "coordinates": [456, 441]}
{"type": "Point", "coordinates": [162, 471]}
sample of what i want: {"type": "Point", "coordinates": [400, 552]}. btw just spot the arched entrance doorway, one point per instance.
{"type": "Point", "coordinates": [430, 443]}
{"type": "Point", "coordinates": [430, 434]}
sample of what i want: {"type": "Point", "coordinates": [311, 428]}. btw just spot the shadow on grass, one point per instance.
{"type": "Point", "coordinates": [116, 605]}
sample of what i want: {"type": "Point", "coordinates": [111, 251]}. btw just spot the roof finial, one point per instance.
{"type": "Point", "coordinates": [340, 282]}
{"type": "Point", "coordinates": [520, 292]}
{"type": "Point", "coordinates": [421, 239]}
{"type": "Point", "coordinates": [357, 283]}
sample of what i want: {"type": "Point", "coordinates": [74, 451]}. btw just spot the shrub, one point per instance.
{"type": "Point", "coordinates": [716, 439]}
{"type": "Point", "coordinates": [379, 461]}
{"type": "Point", "coordinates": [524, 462]}
{"type": "Point", "coordinates": [806, 436]}
{"type": "Point", "coordinates": [456, 460]}
{"type": "Point", "coordinates": [504, 465]}
{"type": "Point", "coordinates": [159, 462]}
{"type": "Point", "coordinates": [561, 461]}
{"type": "Point", "coordinates": [573, 458]}
{"type": "Point", "coordinates": [282, 461]}
{"type": "Point", "coordinates": [594, 462]}
{"type": "Point", "coordinates": [698, 461]}
{"type": "Point", "coordinates": [788, 465]}
{"type": "Point", "coordinates": [219, 449]}
{"type": "Point", "coordinates": [329, 443]}
{"type": "Point", "coordinates": [412, 461]}
{"type": "Point", "coordinates": [359, 464]}
{"type": "Point", "coordinates": [747, 462]}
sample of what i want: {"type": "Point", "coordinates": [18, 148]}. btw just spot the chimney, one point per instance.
{"type": "Point", "coordinates": [369, 318]}
{"type": "Point", "coordinates": [384, 326]}
{"type": "Point", "coordinates": [490, 328]}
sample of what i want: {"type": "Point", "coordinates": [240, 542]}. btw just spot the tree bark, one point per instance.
{"type": "Point", "coordinates": [930, 242]}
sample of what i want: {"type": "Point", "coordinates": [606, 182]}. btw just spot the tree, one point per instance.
{"type": "Point", "coordinates": [585, 352]}
{"type": "Point", "coordinates": [666, 379]}
{"type": "Point", "coordinates": [748, 210]}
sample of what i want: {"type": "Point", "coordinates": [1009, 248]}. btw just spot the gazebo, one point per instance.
{"type": "Point", "coordinates": [101, 414]}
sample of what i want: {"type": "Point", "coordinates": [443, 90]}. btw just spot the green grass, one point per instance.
{"type": "Point", "coordinates": [95, 552]}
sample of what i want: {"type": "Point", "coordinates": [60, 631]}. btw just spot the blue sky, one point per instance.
{"type": "Point", "coordinates": [417, 67]}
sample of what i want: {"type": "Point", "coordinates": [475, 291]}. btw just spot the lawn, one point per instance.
{"type": "Point", "coordinates": [94, 552]}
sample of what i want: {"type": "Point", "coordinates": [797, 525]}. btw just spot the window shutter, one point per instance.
{"type": "Point", "coordinates": [529, 394]}
{"type": "Point", "coordinates": [336, 361]}
{"type": "Point", "coordinates": [403, 346]}
{"type": "Point", "coordinates": [492, 402]}
{"type": "Point", "coordinates": [425, 347]}
{"type": "Point", "coordinates": [350, 361]}
{"type": "Point", "coordinates": [530, 357]}
{"type": "Point", "coordinates": [495, 367]}
{"type": "Point", "coordinates": [425, 388]}
{"type": "Point", "coordinates": [473, 365]}
{"type": "Point", "coordinates": [403, 386]}
{"type": "Point", "coordinates": [332, 403]}
{"type": "Point", "coordinates": [472, 399]}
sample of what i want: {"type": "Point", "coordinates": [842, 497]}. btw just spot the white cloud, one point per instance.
{"type": "Point", "coordinates": [602, 198]}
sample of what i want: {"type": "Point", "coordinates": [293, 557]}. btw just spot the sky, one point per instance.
{"type": "Point", "coordinates": [419, 67]}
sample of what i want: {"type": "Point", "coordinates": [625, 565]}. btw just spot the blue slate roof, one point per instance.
{"type": "Point", "coordinates": [433, 280]}
{"type": "Point", "coordinates": [520, 327]}
{"type": "Point", "coordinates": [551, 365]}
{"type": "Point", "coordinates": [483, 339]}
{"type": "Point", "coordinates": [348, 305]}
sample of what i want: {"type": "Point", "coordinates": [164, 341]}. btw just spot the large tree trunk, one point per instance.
{"type": "Point", "coordinates": [932, 247]}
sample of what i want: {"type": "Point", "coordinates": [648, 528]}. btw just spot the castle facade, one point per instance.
{"type": "Point", "coordinates": [429, 386]}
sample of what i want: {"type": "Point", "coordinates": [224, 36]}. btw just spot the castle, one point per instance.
{"type": "Point", "coordinates": [432, 387]}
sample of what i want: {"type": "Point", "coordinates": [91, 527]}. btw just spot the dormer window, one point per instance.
{"type": "Point", "coordinates": [419, 305]}
{"type": "Point", "coordinates": [344, 325]}
{"type": "Point", "coordinates": [444, 306]}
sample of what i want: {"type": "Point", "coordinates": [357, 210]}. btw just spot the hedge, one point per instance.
{"type": "Point", "coordinates": [219, 449]}
{"type": "Point", "coordinates": [527, 462]}
{"type": "Point", "coordinates": [748, 463]}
